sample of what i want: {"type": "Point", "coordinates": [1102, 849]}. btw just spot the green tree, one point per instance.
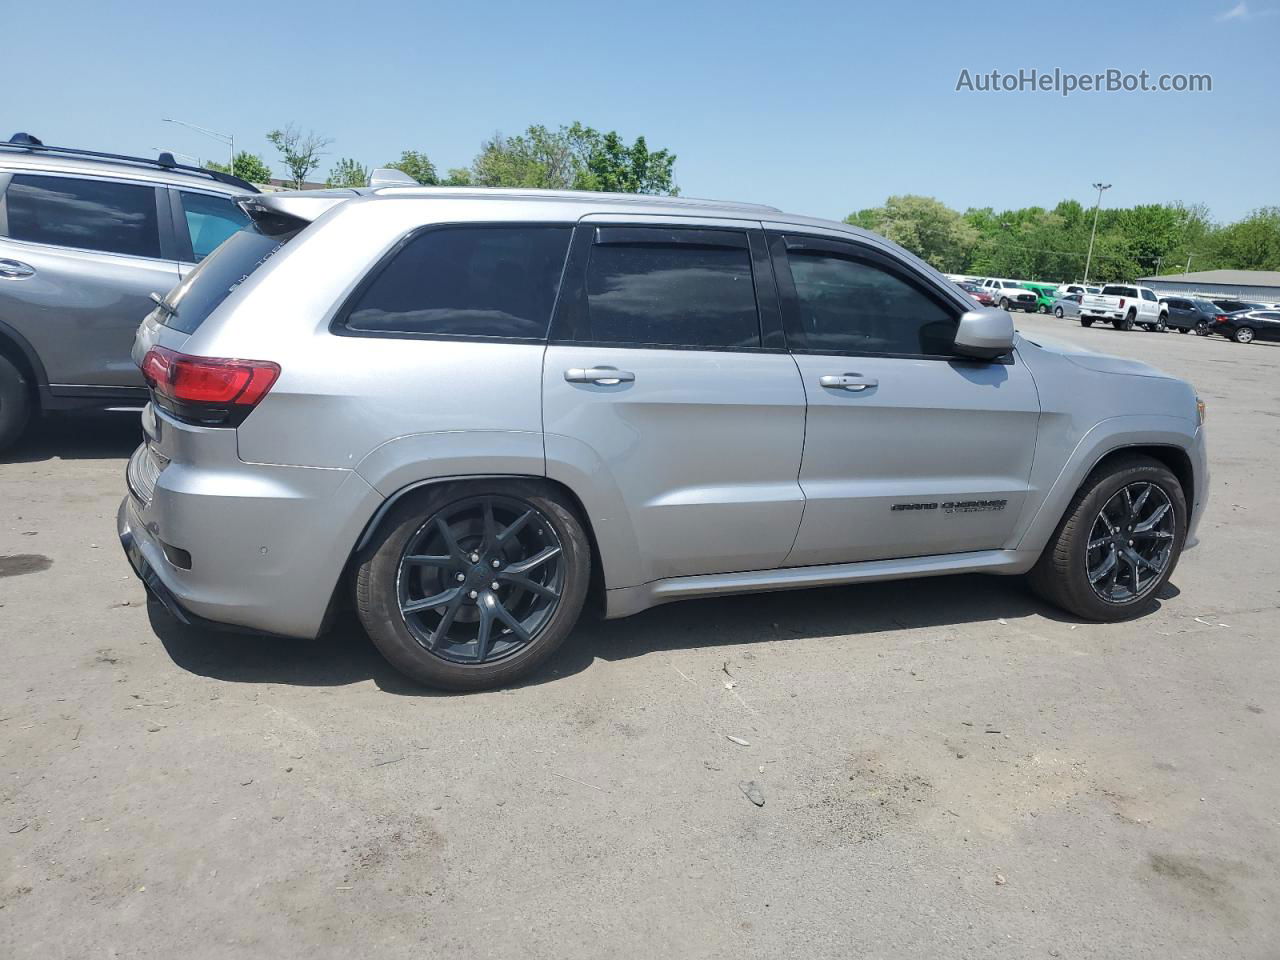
{"type": "Point", "coordinates": [925, 226]}
{"type": "Point", "coordinates": [348, 173]}
{"type": "Point", "coordinates": [417, 165]}
{"type": "Point", "coordinates": [301, 152]}
{"type": "Point", "coordinates": [606, 162]}
{"type": "Point", "coordinates": [246, 166]}
{"type": "Point", "coordinates": [1251, 244]}
{"type": "Point", "coordinates": [576, 157]}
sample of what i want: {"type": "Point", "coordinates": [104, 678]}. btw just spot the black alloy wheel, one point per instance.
{"type": "Point", "coordinates": [480, 578]}
{"type": "Point", "coordinates": [1130, 543]}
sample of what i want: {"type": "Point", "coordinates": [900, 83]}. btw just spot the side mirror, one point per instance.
{"type": "Point", "coordinates": [984, 334]}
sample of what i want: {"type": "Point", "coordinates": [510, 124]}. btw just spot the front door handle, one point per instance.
{"type": "Point", "coordinates": [605, 376]}
{"type": "Point", "coordinates": [15, 270]}
{"type": "Point", "coordinates": [848, 381]}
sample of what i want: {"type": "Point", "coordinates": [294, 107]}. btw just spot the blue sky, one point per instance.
{"type": "Point", "coordinates": [818, 107]}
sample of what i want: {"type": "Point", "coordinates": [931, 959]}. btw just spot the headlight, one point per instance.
{"type": "Point", "coordinates": [1199, 411]}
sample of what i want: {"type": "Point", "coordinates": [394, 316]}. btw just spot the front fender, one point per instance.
{"type": "Point", "coordinates": [1106, 437]}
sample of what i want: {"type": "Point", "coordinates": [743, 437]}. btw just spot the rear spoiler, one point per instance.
{"type": "Point", "coordinates": [290, 211]}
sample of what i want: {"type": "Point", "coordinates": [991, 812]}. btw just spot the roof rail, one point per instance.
{"type": "Point", "coordinates": [25, 141]}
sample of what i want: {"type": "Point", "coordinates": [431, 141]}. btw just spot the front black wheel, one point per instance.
{"type": "Point", "coordinates": [475, 584]}
{"type": "Point", "coordinates": [15, 403]}
{"type": "Point", "coordinates": [1057, 312]}
{"type": "Point", "coordinates": [1118, 542]}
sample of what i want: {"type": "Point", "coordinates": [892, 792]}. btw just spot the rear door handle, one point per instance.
{"type": "Point", "coordinates": [848, 381]}
{"type": "Point", "coordinates": [15, 270]}
{"type": "Point", "coordinates": [605, 376]}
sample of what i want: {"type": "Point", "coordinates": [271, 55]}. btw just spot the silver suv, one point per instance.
{"type": "Point", "coordinates": [469, 410]}
{"type": "Point", "coordinates": [84, 238]}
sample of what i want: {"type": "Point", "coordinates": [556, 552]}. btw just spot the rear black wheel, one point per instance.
{"type": "Point", "coordinates": [1086, 321]}
{"type": "Point", "coordinates": [1117, 544]}
{"type": "Point", "coordinates": [475, 584]}
{"type": "Point", "coordinates": [15, 403]}
{"type": "Point", "coordinates": [1242, 335]}
{"type": "Point", "coordinates": [1057, 312]}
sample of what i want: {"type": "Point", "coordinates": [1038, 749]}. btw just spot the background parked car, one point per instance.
{"type": "Point", "coordinates": [85, 238]}
{"type": "Point", "coordinates": [1245, 326]}
{"type": "Point", "coordinates": [1011, 294]}
{"type": "Point", "coordinates": [1125, 307]}
{"type": "Point", "coordinates": [1068, 306]}
{"type": "Point", "coordinates": [1077, 288]}
{"type": "Point", "coordinates": [1190, 313]}
{"type": "Point", "coordinates": [1046, 295]}
{"type": "Point", "coordinates": [979, 293]}
{"type": "Point", "coordinates": [1227, 305]}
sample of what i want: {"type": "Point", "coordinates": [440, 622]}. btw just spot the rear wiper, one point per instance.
{"type": "Point", "coordinates": [163, 304]}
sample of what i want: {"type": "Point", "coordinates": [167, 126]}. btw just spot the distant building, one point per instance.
{"type": "Point", "coordinates": [1238, 284]}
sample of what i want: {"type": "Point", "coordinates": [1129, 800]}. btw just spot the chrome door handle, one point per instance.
{"type": "Point", "coordinates": [848, 381]}
{"type": "Point", "coordinates": [15, 270]}
{"type": "Point", "coordinates": [605, 376]}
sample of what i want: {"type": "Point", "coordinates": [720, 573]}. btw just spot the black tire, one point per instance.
{"type": "Point", "coordinates": [15, 403]}
{"type": "Point", "coordinates": [1162, 324]}
{"type": "Point", "coordinates": [1060, 575]}
{"type": "Point", "coordinates": [1086, 321]}
{"type": "Point", "coordinates": [1042, 309]}
{"type": "Point", "coordinates": [1057, 312]}
{"type": "Point", "coordinates": [1183, 330]}
{"type": "Point", "coordinates": [378, 587]}
{"type": "Point", "coordinates": [1202, 329]}
{"type": "Point", "coordinates": [1242, 334]}
{"type": "Point", "coordinates": [1004, 303]}
{"type": "Point", "coordinates": [1126, 324]}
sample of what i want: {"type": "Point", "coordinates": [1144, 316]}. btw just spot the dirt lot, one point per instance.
{"type": "Point", "coordinates": [949, 768]}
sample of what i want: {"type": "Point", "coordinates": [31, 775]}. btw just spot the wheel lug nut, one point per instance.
{"type": "Point", "coordinates": [494, 585]}
{"type": "Point", "coordinates": [475, 558]}
{"type": "Point", "coordinates": [496, 564]}
{"type": "Point", "coordinates": [473, 595]}
{"type": "Point", "coordinates": [462, 577]}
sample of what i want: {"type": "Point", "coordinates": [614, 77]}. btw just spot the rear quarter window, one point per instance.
{"type": "Point", "coordinates": [496, 281]}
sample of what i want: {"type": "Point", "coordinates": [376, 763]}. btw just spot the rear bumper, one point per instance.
{"type": "Point", "coordinates": [249, 546]}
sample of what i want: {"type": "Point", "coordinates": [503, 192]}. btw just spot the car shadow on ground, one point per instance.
{"type": "Point", "coordinates": [103, 436]}
{"type": "Point", "coordinates": [345, 655]}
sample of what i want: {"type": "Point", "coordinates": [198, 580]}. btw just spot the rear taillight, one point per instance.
{"type": "Point", "coordinates": [1121, 303]}
{"type": "Point", "coordinates": [1220, 318]}
{"type": "Point", "coordinates": [210, 391]}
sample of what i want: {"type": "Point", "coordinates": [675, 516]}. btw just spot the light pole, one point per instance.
{"type": "Point", "coordinates": [226, 138]}
{"type": "Point", "coordinates": [1088, 260]}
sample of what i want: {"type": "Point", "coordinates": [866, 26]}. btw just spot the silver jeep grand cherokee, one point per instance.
{"type": "Point", "coordinates": [471, 409]}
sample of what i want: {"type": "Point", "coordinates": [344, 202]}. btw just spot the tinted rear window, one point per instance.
{"type": "Point", "coordinates": [678, 294]}
{"type": "Point", "coordinates": [86, 214]}
{"type": "Point", "coordinates": [205, 287]}
{"type": "Point", "coordinates": [488, 281]}
{"type": "Point", "coordinates": [1116, 291]}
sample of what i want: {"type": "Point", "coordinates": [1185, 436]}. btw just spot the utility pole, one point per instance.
{"type": "Point", "coordinates": [1188, 270]}
{"type": "Point", "coordinates": [1089, 259]}
{"type": "Point", "coordinates": [1159, 260]}
{"type": "Point", "coordinates": [226, 138]}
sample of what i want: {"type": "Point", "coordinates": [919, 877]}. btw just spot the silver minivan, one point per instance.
{"type": "Point", "coordinates": [85, 238]}
{"type": "Point", "coordinates": [467, 411]}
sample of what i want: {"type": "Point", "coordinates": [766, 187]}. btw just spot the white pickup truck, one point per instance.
{"type": "Point", "coordinates": [1125, 307]}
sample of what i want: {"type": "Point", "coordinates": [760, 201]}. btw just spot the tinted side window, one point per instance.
{"type": "Point", "coordinates": [672, 294]}
{"type": "Point", "coordinates": [210, 220]}
{"type": "Point", "coordinates": [1148, 295]}
{"type": "Point", "coordinates": [85, 214]}
{"type": "Point", "coordinates": [490, 281]}
{"type": "Point", "coordinates": [849, 305]}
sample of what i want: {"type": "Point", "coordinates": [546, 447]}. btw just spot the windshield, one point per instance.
{"type": "Point", "coordinates": [204, 288]}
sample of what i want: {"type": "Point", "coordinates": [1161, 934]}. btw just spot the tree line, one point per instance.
{"type": "Point", "coordinates": [1052, 244]}
{"type": "Point", "coordinates": [574, 157]}
{"type": "Point", "coordinates": [1032, 242]}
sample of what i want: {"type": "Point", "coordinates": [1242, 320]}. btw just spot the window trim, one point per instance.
{"type": "Point", "coordinates": [782, 242]}
{"type": "Point", "coordinates": [338, 323]}
{"type": "Point", "coordinates": [164, 228]}
{"type": "Point", "coordinates": [572, 315]}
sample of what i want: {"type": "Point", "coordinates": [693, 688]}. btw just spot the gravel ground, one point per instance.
{"type": "Point", "coordinates": [948, 767]}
